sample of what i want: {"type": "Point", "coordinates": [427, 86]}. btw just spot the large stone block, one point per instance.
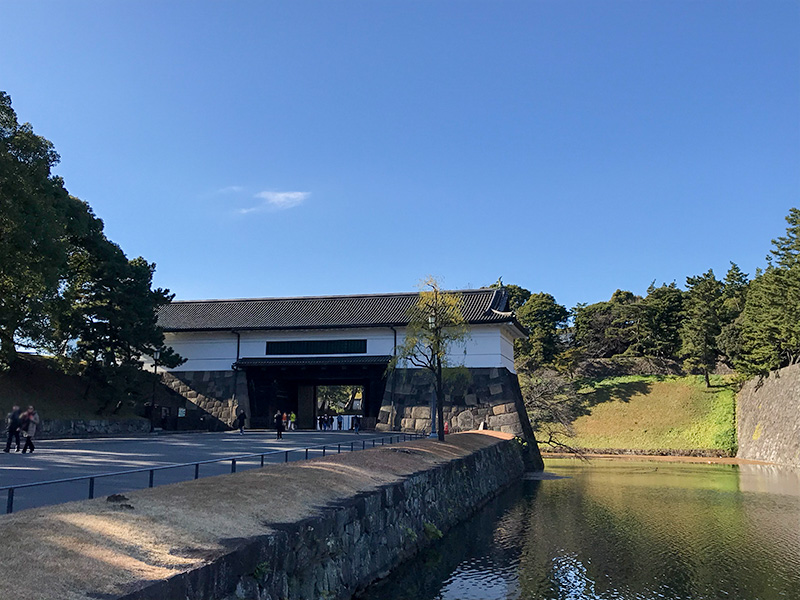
{"type": "Point", "coordinates": [513, 430]}
{"type": "Point", "coordinates": [496, 389]}
{"type": "Point", "coordinates": [471, 399]}
{"type": "Point", "coordinates": [497, 421]}
{"type": "Point", "coordinates": [422, 424]}
{"type": "Point", "coordinates": [421, 412]}
{"type": "Point", "coordinates": [501, 409]}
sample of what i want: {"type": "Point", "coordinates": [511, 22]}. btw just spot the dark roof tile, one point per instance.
{"type": "Point", "coordinates": [485, 305]}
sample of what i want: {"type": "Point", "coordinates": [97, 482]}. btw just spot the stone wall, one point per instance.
{"type": "Point", "coordinates": [213, 398]}
{"type": "Point", "coordinates": [321, 528]}
{"type": "Point", "coordinates": [71, 428]}
{"type": "Point", "coordinates": [489, 396]}
{"type": "Point", "coordinates": [768, 418]}
{"type": "Point", "coordinates": [361, 539]}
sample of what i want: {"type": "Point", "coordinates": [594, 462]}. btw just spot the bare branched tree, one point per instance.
{"type": "Point", "coordinates": [553, 404]}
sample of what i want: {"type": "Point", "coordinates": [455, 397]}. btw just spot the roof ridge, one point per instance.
{"type": "Point", "coordinates": [331, 297]}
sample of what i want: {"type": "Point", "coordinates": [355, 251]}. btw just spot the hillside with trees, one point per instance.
{"type": "Point", "coordinates": [734, 325]}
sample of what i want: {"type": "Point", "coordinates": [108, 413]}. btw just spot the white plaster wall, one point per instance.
{"type": "Point", "coordinates": [487, 345]}
{"type": "Point", "coordinates": [507, 349]}
{"type": "Point", "coordinates": [204, 351]}
{"type": "Point", "coordinates": [380, 341]}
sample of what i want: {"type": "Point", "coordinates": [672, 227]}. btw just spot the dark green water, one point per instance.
{"type": "Point", "coordinates": [621, 530]}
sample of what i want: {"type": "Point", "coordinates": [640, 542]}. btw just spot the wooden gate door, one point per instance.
{"type": "Point", "coordinates": [306, 413]}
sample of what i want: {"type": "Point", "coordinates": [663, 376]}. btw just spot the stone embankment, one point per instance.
{"type": "Point", "coordinates": [72, 428]}
{"type": "Point", "coordinates": [313, 529]}
{"type": "Point", "coordinates": [768, 418]}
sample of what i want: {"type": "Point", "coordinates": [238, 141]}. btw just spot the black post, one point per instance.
{"type": "Point", "coordinates": [156, 355]}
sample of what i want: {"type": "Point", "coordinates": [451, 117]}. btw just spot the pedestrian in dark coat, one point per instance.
{"type": "Point", "coordinates": [279, 425]}
{"type": "Point", "coordinates": [240, 421]}
{"type": "Point", "coordinates": [30, 422]}
{"type": "Point", "coordinates": [13, 427]}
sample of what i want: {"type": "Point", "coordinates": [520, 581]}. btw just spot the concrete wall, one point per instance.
{"type": "Point", "coordinates": [488, 345]}
{"type": "Point", "coordinates": [768, 418]}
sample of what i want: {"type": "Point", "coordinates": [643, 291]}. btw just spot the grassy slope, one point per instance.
{"type": "Point", "coordinates": [34, 380]}
{"type": "Point", "coordinates": [657, 413]}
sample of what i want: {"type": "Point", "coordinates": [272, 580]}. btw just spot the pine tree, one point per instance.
{"type": "Point", "coordinates": [701, 324]}
{"type": "Point", "coordinates": [770, 321]}
{"type": "Point", "coordinates": [544, 318]}
{"type": "Point", "coordinates": [661, 321]}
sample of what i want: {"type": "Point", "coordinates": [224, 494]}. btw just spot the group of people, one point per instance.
{"type": "Point", "coordinates": [326, 422]}
{"type": "Point", "coordinates": [24, 423]}
{"type": "Point", "coordinates": [288, 422]}
{"type": "Point", "coordinates": [284, 422]}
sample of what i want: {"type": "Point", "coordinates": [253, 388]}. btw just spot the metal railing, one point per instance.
{"type": "Point", "coordinates": [348, 446]}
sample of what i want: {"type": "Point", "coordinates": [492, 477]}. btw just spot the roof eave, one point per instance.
{"type": "Point", "coordinates": [329, 327]}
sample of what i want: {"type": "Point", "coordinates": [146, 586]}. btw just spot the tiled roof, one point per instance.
{"type": "Point", "coordinates": [487, 305]}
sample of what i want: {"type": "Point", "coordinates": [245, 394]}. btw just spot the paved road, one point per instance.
{"type": "Point", "coordinates": [57, 459]}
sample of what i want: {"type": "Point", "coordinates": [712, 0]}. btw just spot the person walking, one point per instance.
{"type": "Point", "coordinates": [292, 421]}
{"type": "Point", "coordinates": [340, 421]}
{"type": "Point", "coordinates": [278, 418]}
{"type": "Point", "coordinates": [356, 423]}
{"type": "Point", "coordinates": [28, 425]}
{"type": "Point", "coordinates": [13, 421]}
{"type": "Point", "coordinates": [240, 421]}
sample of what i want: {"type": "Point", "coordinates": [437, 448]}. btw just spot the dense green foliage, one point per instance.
{"type": "Point", "coordinates": [752, 326]}
{"type": "Point", "coordinates": [65, 288]}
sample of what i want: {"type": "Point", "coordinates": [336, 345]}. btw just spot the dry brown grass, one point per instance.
{"type": "Point", "coordinates": [97, 548]}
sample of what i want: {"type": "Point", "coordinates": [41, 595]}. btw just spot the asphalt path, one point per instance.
{"type": "Point", "coordinates": [60, 459]}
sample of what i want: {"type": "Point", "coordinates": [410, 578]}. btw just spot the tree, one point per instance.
{"type": "Point", "coordinates": [545, 319]}
{"type": "Point", "coordinates": [553, 404]}
{"type": "Point", "coordinates": [734, 298]}
{"type": "Point", "coordinates": [660, 321]}
{"type": "Point", "coordinates": [436, 324]}
{"type": "Point", "coordinates": [770, 321]}
{"type": "Point", "coordinates": [33, 223]}
{"type": "Point", "coordinates": [65, 287]}
{"type": "Point", "coordinates": [701, 324]}
{"type": "Point", "coordinates": [607, 329]}
{"type": "Point", "coordinates": [338, 398]}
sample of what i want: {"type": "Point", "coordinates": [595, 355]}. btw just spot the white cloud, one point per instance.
{"type": "Point", "coordinates": [231, 189]}
{"type": "Point", "coordinates": [276, 201]}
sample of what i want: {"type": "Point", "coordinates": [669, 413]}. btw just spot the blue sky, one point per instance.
{"type": "Point", "coordinates": [306, 148]}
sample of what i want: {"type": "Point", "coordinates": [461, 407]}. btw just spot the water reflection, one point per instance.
{"type": "Point", "coordinates": [620, 530]}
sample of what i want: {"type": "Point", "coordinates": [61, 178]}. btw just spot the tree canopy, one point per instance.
{"type": "Point", "coordinates": [65, 288]}
{"type": "Point", "coordinates": [750, 324]}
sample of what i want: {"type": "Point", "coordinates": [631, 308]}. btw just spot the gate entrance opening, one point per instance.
{"type": "Point", "coordinates": [308, 386]}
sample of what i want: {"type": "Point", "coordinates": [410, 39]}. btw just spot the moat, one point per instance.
{"type": "Point", "coordinates": [620, 530]}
